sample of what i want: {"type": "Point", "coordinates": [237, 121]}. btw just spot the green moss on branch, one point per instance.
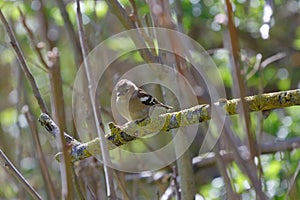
{"type": "Point", "coordinates": [119, 135]}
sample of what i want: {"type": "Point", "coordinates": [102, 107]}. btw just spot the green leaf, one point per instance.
{"type": "Point", "coordinates": [272, 169]}
{"type": "Point", "coordinates": [101, 9]}
{"type": "Point", "coordinates": [8, 117]}
{"type": "Point", "coordinates": [284, 84]}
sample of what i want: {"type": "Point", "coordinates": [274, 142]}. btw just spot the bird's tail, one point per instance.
{"type": "Point", "coordinates": [166, 106]}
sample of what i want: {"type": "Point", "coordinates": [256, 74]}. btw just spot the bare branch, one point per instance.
{"type": "Point", "coordinates": [41, 157]}
{"type": "Point", "coordinates": [13, 170]}
{"type": "Point", "coordinates": [239, 89]}
{"type": "Point", "coordinates": [266, 148]}
{"type": "Point", "coordinates": [128, 23]}
{"type": "Point", "coordinates": [272, 59]}
{"type": "Point", "coordinates": [31, 37]}
{"type": "Point", "coordinates": [97, 117]}
{"type": "Point", "coordinates": [293, 179]}
{"type": "Point", "coordinates": [23, 63]}
{"type": "Point", "coordinates": [71, 32]}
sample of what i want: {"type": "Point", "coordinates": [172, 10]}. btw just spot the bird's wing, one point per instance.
{"type": "Point", "coordinates": [149, 100]}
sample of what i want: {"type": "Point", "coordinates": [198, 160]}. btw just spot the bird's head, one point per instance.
{"type": "Point", "coordinates": [125, 87]}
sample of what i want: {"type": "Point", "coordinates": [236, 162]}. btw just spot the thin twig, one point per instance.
{"type": "Point", "coordinates": [57, 105]}
{"type": "Point", "coordinates": [179, 12]}
{"type": "Point", "coordinates": [222, 165]}
{"type": "Point", "coordinates": [272, 59]}
{"type": "Point", "coordinates": [249, 168]}
{"type": "Point", "coordinates": [174, 184]}
{"type": "Point", "coordinates": [55, 79]}
{"type": "Point", "coordinates": [134, 13]}
{"type": "Point", "coordinates": [256, 67]}
{"type": "Point", "coordinates": [77, 185]}
{"type": "Point", "coordinates": [135, 18]}
{"type": "Point", "coordinates": [184, 162]}
{"type": "Point", "coordinates": [121, 13]}
{"type": "Point", "coordinates": [128, 23]}
{"type": "Point", "coordinates": [19, 144]}
{"type": "Point", "coordinates": [31, 37]}
{"type": "Point", "coordinates": [43, 24]}
{"type": "Point", "coordinates": [167, 194]}
{"type": "Point", "coordinates": [71, 32]}
{"type": "Point", "coordinates": [260, 122]}
{"type": "Point", "coordinates": [39, 151]}
{"type": "Point", "coordinates": [23, 64]}
{"type": "Point", "coordinates": [292, 182]}
{"type": "Point", "coordinates": [238, 79]}
{"type": "Point", "coordinates": [245, 164]}
{"type": "Point", "coordinates": [7, 164]}
{"type": "Point", "coordinates": [97, 118]}
{"type": "Point", "coordinates": [266, 148]}
{"type": "Point", "coordinates": [119, 177]}
{"type": "Point", "coordinates": [52, 128]}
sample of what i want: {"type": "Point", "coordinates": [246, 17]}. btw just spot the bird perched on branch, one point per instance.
{"type": "Point", "coordinates": [134, 103]}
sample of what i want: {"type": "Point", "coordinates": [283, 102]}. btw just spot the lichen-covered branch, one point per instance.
{"type": "Point", "coordinates": [123, 134]}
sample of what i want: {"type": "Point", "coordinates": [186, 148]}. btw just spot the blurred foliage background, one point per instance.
{"type": "Point", "coordinates": [269, 39]}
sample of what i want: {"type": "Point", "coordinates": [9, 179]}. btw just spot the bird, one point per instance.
{"type": "Point", "coordinates": [133, 103]}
